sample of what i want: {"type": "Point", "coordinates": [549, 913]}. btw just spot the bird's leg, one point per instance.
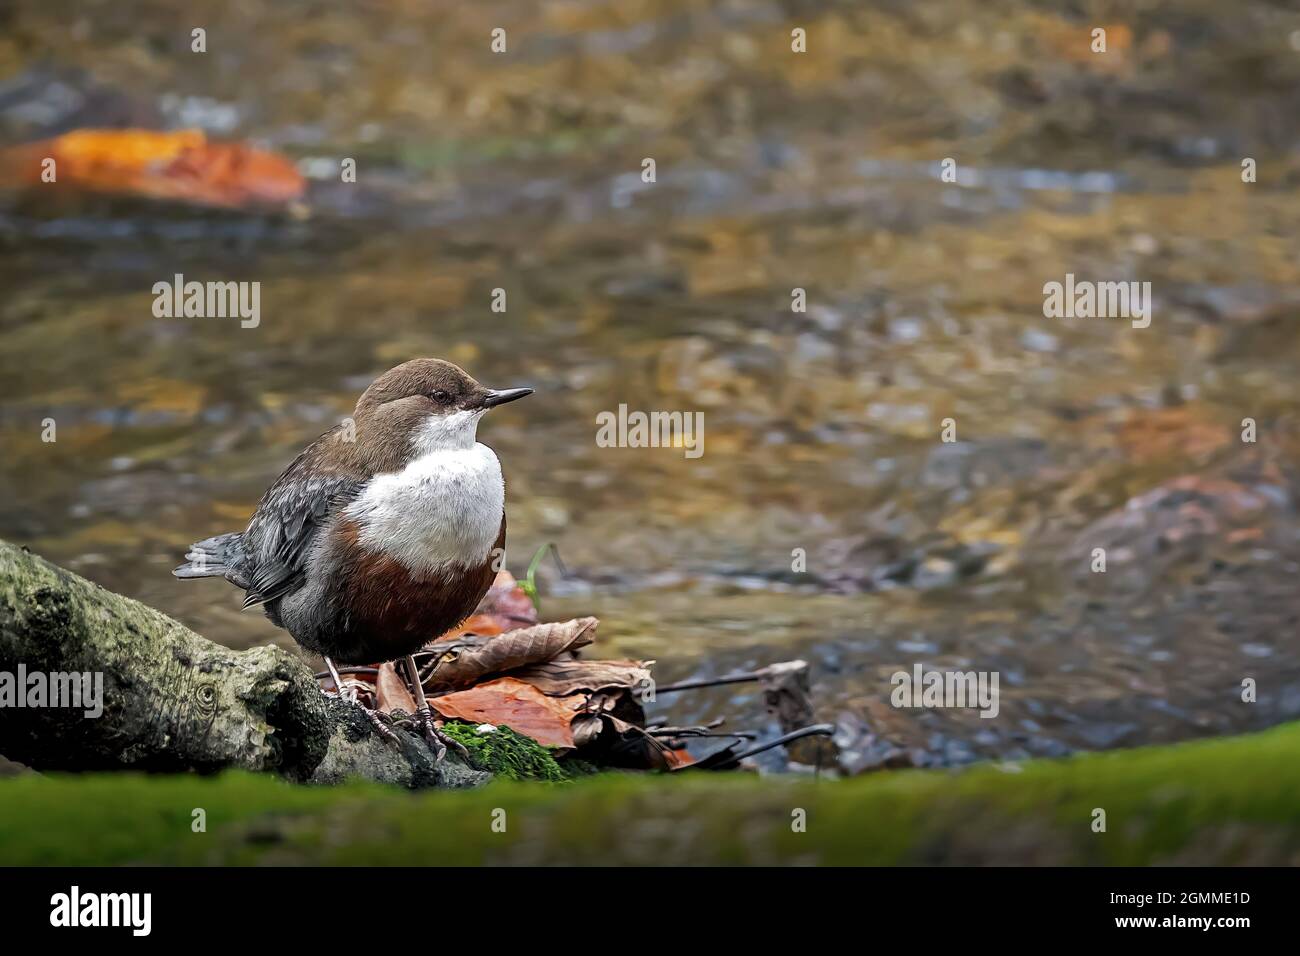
{"type": "Point", "coordinates": [438, 741]}
{"type": "Point", "coordinates": [381, 728]}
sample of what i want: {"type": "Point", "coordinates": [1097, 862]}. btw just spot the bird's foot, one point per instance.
{"type": "Point", "coordinates": [379, 723]}
{"type": "Point", "coordinates": [438, 740]}
{"type": "Point", "coordinates": [350, 691]}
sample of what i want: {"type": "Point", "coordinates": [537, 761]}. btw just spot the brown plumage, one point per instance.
{"type": "Point", "coordinates": [391, 611]}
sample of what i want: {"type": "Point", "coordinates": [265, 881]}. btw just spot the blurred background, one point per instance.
{"type": "Point", "coordinates": [775, 170]}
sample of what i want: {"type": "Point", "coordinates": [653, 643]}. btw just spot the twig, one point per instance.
{"type": "Point", "coordinates": [726, 763]}
{"type": "Point", "coordinates": [368, 671]}
{"type": "Point", "coordinates": [696, 732]}
{"type": "Point", "coordinates": [711, 681]}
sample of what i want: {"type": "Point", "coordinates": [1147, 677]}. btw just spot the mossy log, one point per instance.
{"type": "Point", "coordinates": [175, 701]}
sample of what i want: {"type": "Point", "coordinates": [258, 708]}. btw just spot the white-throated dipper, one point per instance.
{"type": "Point", "coordinates": [364, 550]}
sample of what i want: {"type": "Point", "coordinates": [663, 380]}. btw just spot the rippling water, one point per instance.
{"type": "Point", "coordinates": [775, 171]}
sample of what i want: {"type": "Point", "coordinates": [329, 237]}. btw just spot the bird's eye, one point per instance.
{"type": "Point", "coordinates": [439, 396]}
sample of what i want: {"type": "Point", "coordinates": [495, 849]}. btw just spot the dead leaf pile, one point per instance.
{"type": "Point", "coordinates": [503, 668]}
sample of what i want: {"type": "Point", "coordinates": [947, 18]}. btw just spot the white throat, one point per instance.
{"type": "Point", "coordinates": [456, 431]}
{"type": "Point", "coordinates": [444, 508]}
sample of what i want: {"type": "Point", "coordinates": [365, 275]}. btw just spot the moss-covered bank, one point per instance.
{"type": "Point", "coordinates": [1225, 801]}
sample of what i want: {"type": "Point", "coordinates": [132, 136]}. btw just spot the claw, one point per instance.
{"type": "Point", "coordinates": [438, 741]}
{"type": "Point", "coordinates": [348, 692]}
{"type": "Point", "coordinates": [381, 728]}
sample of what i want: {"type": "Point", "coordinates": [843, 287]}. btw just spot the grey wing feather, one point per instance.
{"type": "Point", "coordinates": [221, 556]}
{"type": "Point", "coordinates": [280, 536]}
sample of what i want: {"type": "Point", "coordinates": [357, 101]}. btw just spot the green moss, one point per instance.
{"type": "Point", "coordinates": [1212, 802]}
{"type": "Point", "coordinates": [509, 755]}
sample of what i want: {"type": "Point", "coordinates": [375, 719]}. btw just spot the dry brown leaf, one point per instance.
{"type": "Point", "coordinates": [462, 661]}
{"type": "Point", "coordinates": [392, 692]}
{"type": "Point", "coordinates": [586, 728]}
{"type": "Point", "coordinates": [637, 749]}
{"type": "Point", "coordinates": [560, 678]}
{"type": "Point", "coordinates": [519, 706]}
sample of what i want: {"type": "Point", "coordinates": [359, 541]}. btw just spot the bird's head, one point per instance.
{"type": "Point", "coordinates": [433, 404]}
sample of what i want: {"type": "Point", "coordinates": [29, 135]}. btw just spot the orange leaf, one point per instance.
{"type": "Point", "coordinates": [677, 759]}
{"type": "Point", "coordinates": [483, 624]}
{"type": "Point", "coordinates": [519, 706]}
{"type": "Point", "coordinates": [181, 166]}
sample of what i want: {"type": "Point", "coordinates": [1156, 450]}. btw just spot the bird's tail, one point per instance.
{"type": "Point", "coordinates": [213, 557]}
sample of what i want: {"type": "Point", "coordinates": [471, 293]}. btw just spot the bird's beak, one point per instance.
{"type": "Point", "coordinates": [497, 397]}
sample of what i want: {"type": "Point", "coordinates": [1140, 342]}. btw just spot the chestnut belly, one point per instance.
{"type": "Point", "coordinates": [381, 611]}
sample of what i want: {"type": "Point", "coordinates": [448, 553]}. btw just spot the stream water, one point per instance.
{"type": "Point", "coordinates": [775, 171]}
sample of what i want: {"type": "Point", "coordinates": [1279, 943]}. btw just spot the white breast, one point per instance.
{"type": "Point", "coordinates": [443, 508]}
